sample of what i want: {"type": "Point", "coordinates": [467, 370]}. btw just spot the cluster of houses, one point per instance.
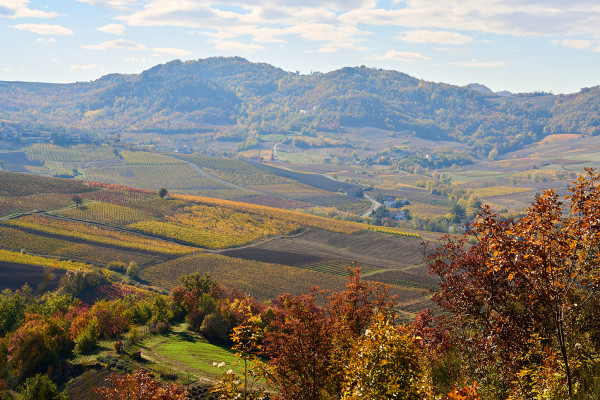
{"type": "Point", "coordinates": [392, 202]}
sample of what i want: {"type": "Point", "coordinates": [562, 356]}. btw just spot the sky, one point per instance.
{"type": "Point", "coordinates": [515, 45]}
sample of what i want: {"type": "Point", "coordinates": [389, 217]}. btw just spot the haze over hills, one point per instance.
{"type": "Point", "coordinates": [241, 101]}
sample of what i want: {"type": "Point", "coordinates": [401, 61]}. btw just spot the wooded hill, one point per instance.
{"type": "Point", "coordinates": [238, 100]}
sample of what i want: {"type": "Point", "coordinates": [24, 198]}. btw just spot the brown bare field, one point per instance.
{"type": "Point", "coordinates": [13, 276]}
{"type": "Point", "coordinates": [366, 247]}
{"type": "Point", "coordinates": [272, 256]}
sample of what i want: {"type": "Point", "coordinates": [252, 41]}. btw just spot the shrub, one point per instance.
{"type": "Point", "coordinates": [40, 387]}
{"type": "Point", "coordinates": [116, 266]}
{"type": "Point", "coordinates": [195, 319]}
{"type": "Point", "coordinates": [87, 338]}
{"type": "Point", "coordinates": [133, 270]}
{"type": "Point", "coordinates": [216, 328]}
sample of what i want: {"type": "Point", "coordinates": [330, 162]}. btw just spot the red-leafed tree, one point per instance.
{"type": "Point", "coordinates": [298, 344]}
{"type": "Point", "coordinates": [140, 385]}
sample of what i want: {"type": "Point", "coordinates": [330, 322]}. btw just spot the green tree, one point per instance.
{"type": "Point", "coordinates": [77, 200]}
{"type": "Point", "coordinates": [133, 270]}
{"type": "Point", "coordinates": [162, 192]}
{"type": "Point", "coordinates": [40, 387]}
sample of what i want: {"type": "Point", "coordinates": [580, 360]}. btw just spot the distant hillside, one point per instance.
{"type": "Point", "coordinates": [242, 101]}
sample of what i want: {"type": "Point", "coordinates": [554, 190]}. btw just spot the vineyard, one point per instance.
{"type": "Point", "coordinates": [340, 268]}
{"type": "Point", "coordinates": [260, 280]}
{"type": "Point", "coordinates": [45, 152]}
{"type": "Point", "coordinates": [16, 185]}
{"type": "Point", "coordinates": [147, 158]}
{"type": "Point", "coordinates": [498, 191]}
{"type": "Point", "coordinates": [285, 215]}
{"type": "Point", "coordinates": [393, 231]}
{"type": "Point", "coordinates": [97, 234]}
{"type": "Point", "coordinates": [46, 262]}
{"type": "Point", "coordinates": [106, 213]}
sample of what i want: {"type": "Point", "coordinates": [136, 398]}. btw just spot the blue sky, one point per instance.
{"type": "Point", "coordinates": [516, 45]}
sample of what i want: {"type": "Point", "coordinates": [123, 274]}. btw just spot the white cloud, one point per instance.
{"type": "Point", "coordinates": [480, 64]}
{"type": "Point", "coordinates": [44, 29]}
{"type": "Point", "coordinates": [118, 4]}
{"type": "Point", "coordinates": [439, 37]}
{"type": "Point", "coordinates": [172, 51]}
{"type": "Point", "coordinates": [114, 29]}
{"type": "Point", "coordinates": [236, 47]}
{"type": "Point", "coordinates": [550, 18]}
{"type": "Point", "coordinates": [575, 43]}
{"type": "Point", "coordinates": [453, 50]}
{"type": "Point", "coordinates": [264, 21]}
{"type": "Point", "coordinates": [119, 44]}
{"type": "Point", "coordinates": [20, 9]}
{"type": "Point", "coordinates": [328, 50]}
{"type": "Point", "coordinates": [135, 60]}
{"type": "Point", "coordinates": [79, 67]}
{"type": "Point", "coordinates": [402, 56]}
{"type": "Point", "coordinates": [45, 40]}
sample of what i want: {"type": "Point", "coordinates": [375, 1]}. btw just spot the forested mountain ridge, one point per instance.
{"type": "Point", "coordinates": [240, 100]}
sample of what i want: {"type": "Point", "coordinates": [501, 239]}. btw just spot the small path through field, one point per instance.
{"type": "Point", "coordinates": [375, 203]}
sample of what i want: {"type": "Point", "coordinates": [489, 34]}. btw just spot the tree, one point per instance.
{"type": "Point", "coordinates": [77, 200]}
{"type": "Point", "coordinates": [37, 345]}
{"type": "Point", "coordinates": [298, 344]}
{"type": "Point", "coordinates": [162, 192]}
{"type": "Point", "coordinates": [12, 310]}
{"type": "Point", "coordinates": [458, 212]}
{"type": "Point", "coordinates": [140, 385]}
{"type": "Point", "coordinates": [384, 364]}
{"type": "Point", "coordinates": [133, 270]}
{"type": "Point", "coordinates": [526, 278]}
{"type": "Point", "coordinates": [40, 387]}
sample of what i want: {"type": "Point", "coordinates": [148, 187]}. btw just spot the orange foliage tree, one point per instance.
{"type": "Point", "coordinates": [526, 278]}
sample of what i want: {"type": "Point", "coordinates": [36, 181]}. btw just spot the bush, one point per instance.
{"type": "Point", "coordinates": [133, 270]}
{"type": "Point", "coordinates": [215, 328]}
{"type": "Point", "coordinates": [134, 335]}
{"type": "Point", "coordinates": [195, 319]}
{"type": "Point", "coordinates": [117, 266]}
{"type": "Point", "coordinates": [40, 387]}
{"type": "Point", "coordinates": [158, 328]}
{"type": "Point", "coordinates": [87, 338]}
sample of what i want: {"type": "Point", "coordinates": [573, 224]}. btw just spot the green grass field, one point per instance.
{"type": "Point", "coordinates": [186, 353]}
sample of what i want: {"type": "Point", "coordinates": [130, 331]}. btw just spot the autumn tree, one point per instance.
{"type": "Point", "coordinates": [526, 278]}
{"type": "Point", "coordinates": [298, 344]}
{"type": "Point", "coordinates": [140, 385]}
{"type": "Point", "coordinates": [384, 364]}
{"type": "Point", "coordinates": [350, 312]}
{"type": "Point", "coordinates": [308, 345]}
{"type": "Point", "coordinates": [37, 346]}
